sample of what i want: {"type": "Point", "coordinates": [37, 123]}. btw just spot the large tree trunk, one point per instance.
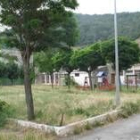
{"type": "Point", "coordinates": [27, 86]}
{"type": "Point", "coordinates": [90, 80]}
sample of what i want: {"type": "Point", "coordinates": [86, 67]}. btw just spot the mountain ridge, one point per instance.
{"type": "Point", "coordinates": [96, 27]}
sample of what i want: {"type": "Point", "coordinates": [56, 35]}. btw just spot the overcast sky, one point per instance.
{"type": "Point", "coordinates": [107, 6]}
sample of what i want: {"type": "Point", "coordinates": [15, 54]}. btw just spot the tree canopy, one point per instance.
{"type": "Point", "coordinates": [129, 52]}
{"type": "Point", "coordinates": [62, 60]}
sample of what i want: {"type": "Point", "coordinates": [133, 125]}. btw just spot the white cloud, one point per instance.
{"type": "Point", "coordinates": [107, 6]}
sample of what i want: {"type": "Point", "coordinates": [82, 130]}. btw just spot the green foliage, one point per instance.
{"type": "Point", "coordinates": [71, 34]}
{"type": "Point", "coordinates": [101, 27]}
{"type": "Point", "coordinates": [89, 56]}
{"type": "Point", "coordinates": [70, 81]}
{"type": "Point", "coordinates": [129, 108]}
{"type": "Point", "coordinates": [5, 112]}
{"type": "Point", "coordinates": [128, 52]}
{"type": "Point", "coordinates": [10, 71]}
{"type": "Point", "coordinates": [43, 60]}
{"type": "Point", "coordinates": [62, 60]}
{"type": "Point", "coordinates": [43, 27]}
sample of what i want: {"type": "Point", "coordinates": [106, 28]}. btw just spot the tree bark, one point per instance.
{"type": "Point", "coordinates": [90, 80]}
{"type": "Point", "coordinates": [69, 81]}
{"type": "Point", "coordinates": [52, 81]}
{"type": "Point", "coordinates": [27, 86]}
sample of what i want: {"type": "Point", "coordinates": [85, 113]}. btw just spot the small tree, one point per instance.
{"type": "Point", "coordinates": [43, 60]}
{"type": "Point", "coordinates": [62, 60]}
{"type": "Point", "coordinates": [88, 59]}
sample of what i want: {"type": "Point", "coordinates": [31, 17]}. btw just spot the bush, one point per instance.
{"type": "Point", "coordinates": [5, 112]}
{"type": "Point", "coordinates": [70, 81]}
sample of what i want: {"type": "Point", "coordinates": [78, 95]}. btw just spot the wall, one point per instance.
{"type": "Point", "coordinates": [81, 78]}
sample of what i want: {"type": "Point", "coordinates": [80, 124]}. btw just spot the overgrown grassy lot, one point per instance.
{"type": "Point", "coordinates": [52, 104]}
{"type": "Point", "coordinates": [59, 106]}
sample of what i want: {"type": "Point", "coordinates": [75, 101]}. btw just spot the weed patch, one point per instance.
{"type": "Point", "coordinates": [129, 108]}
{"type": "Point", "coordinates": [5, 112]}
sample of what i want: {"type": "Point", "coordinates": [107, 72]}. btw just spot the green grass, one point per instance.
{"type": "Point", "coordinates": [51, 104]}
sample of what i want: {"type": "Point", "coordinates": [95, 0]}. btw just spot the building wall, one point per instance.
{"type": "Point", "coordinates": [79, 77]}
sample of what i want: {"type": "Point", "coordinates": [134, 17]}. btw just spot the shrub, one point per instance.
{"type": "Point", "coordinates": [70, 81]}
{"type": "Point", "coordinates": [5, 112]}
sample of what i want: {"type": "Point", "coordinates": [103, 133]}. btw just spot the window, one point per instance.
{"type": "Point", "coordinates": [77, 74]}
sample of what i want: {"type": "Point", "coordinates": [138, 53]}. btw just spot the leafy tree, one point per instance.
{"type": "Point", "coordinates": [88, 59]}
{"type": "Point", "coordinates": [43, 60]}
{"type": "Point", "coordinates": [62, 60]}
{"type": "Point", "coordinates": [35, 24]}
{"type": "Point", "coordinates": [129, 52]}
{"type": "Point", "coordinates": [48, 63]}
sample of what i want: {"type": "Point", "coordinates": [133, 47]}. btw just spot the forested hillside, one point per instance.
{"type": "Point", "coordinates": [100, 27]}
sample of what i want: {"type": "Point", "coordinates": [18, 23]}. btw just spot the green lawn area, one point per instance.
{"type": "Point", "coordinates": [50, 104]}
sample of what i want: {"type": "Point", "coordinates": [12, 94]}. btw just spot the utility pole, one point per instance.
{"type": "Point", "coordinates": [117, 94]}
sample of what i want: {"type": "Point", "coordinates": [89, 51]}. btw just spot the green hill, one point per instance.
{"type": "Point", "coordinates": [101, 27]}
